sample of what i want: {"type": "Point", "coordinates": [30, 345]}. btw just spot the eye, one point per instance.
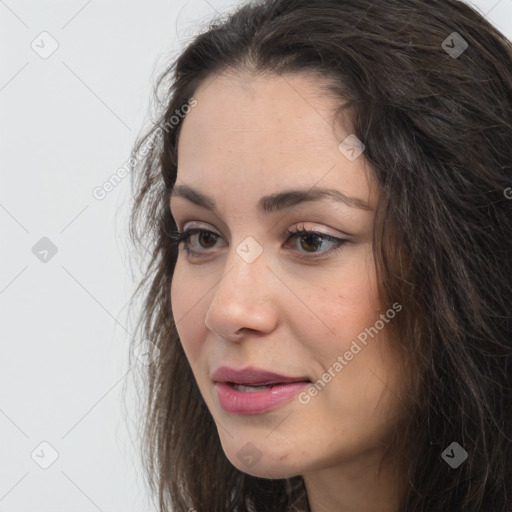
{"type": "Point", "coordinates": [313, 240]}
{"type": "Point", "coordinates": [184, 237]}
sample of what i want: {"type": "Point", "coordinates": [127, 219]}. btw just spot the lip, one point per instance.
{"type": "Point", "coordinates": [251, 375]}
{"type": "Point", "coordinates": [234, 401]}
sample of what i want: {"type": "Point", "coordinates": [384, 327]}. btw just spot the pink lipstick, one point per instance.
{"type": "Point", "coordinates": [255, 391]}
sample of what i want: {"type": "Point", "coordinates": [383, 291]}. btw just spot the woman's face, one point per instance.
{"type": "Point", "coordinates": [248, 296]}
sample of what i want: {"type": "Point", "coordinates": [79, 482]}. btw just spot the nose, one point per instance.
{"type": "Point", "coordinates": [245, 299]}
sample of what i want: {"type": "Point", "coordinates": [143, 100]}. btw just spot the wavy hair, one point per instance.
{"type": "Point", "coordinates": [437, 127]}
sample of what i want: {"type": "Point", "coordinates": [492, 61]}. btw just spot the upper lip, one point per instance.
{"type": "Point", "coordinates": [252, 375]}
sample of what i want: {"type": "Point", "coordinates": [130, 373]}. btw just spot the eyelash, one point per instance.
{"type": "Point", "coordinates": [184, 237]}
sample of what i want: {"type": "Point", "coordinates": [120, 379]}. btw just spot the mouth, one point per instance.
{"type": "Point", "coordinates": [254, 391]}
{"type": "Point", "coordinates": [253, 379]}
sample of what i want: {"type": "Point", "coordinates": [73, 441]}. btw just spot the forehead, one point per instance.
{"type": "Point", "coordinates": [294, 106]}
{"type": "Point", "coordinates": [267, 133]}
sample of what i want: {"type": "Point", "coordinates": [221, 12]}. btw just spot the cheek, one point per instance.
{"type": "Point", "coordinates": [348, 300]}
{"type": "Point", "coordinates": [358, 301]}
{"type": "Point", "coordinates": [360, 292]}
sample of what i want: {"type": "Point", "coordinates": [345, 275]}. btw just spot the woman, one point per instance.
{"type": "Point", "coordinates": [324, 197]}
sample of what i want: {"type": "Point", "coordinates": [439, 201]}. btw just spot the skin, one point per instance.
{"type": "Point", "coordinates": [248, 137]}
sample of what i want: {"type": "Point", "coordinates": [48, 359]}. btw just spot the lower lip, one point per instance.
{"type": "Point", "coordinates": [256, 402]}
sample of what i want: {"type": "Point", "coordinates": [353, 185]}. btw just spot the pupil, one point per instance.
{"type": "Point", "coordinates": [208, 235]}
{"type": "Point", "coordinates": [309, 237]}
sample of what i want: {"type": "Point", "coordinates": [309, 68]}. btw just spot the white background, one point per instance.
{"type": "Point", "coordinates": [67, 124]}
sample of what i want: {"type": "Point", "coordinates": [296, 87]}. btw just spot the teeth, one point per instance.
{"type": "Point", "coordinates": [257, 387]}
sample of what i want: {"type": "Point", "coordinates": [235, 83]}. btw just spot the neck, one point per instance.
{"type": "Point", "coordinates": [355, 486]}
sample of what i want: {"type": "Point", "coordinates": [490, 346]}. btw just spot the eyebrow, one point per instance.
{"type": "Point", "coordinates": [275, 202]}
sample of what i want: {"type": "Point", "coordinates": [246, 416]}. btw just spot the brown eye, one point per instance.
{"type": "Point", "coordinates": [311, 241]}
{"type": "Point", "coordinates": [208, 237]}
{"type": "Point", "coordinates": [314, 240]}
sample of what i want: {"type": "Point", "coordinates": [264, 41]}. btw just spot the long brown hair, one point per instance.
{"type": "Point", "coordinates": [434, 110]}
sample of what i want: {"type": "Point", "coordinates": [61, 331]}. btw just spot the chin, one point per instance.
{"type": "Point", "coordinates": [252, 458]}
{"type": "Point", "coordinates": [268, 469]}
